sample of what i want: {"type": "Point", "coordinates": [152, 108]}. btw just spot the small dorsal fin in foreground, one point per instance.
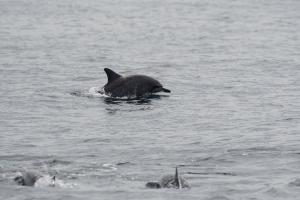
{"type": "Point", "coordinates": [111, 75]}
{"type": "Point", "coordinates": [177, 179]}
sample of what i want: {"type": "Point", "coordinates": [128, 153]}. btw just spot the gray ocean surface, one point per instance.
{"type": "Point", "coordinates": [231, 123]}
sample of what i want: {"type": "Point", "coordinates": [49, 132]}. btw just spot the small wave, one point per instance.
{"type": "Point", "coordinates": [254, 150]}
{"type": "Point", "coordinates": [295, 182]}
{"type": "Point", "coordinates": [123, 163]}
{"type": "Point", "coordinates": [54, 162]}
{"type": "Point", "coordinates": [219, 197]}
{"type": "Point", "coordinates": [51, 162]}
{"type": "Point", "coordinates": [213, 173]}
{"type": "Point", "coordinates": [109, 166]}
{"type": "Point", "coordinates": [110, 100]}
{"type": "Point", "coordinates": [99, 92]}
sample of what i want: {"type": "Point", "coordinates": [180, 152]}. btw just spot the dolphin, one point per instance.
{"type": "Point", "coordinates": [134, 86]}
{"type": "Point", "coordinates": [29, 178]}
{"type": "Point", "coordinates": [170, 181]}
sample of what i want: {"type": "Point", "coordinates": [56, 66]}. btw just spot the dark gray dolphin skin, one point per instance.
{"type": "Point", "coordinates": [135, 86]}
{"type": "Point", "coordinates": [170, 181]}
{"type": "Point", "coordinates": [28, 178]}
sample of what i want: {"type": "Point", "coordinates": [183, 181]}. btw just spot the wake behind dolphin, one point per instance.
{"type": "Point", "coordinates": [134, 86]}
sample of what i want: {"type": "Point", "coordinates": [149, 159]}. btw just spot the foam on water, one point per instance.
{"type": "Point", "coordinates": [97, 92]}
{"type": "Point", "coordinates": [47, 181]}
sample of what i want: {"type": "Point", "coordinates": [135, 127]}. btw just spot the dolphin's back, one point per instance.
{"type": "Point", "coordinates": [132, 86]}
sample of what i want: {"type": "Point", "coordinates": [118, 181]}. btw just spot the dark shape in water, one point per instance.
{"type": "Point", "coordinates": [29, 178]}
{"type": "Point", "coordinates": [135, 86]}
{"type": "Point", "coordinates": [170, 181]}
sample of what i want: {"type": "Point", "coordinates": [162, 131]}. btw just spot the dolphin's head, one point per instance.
{"type": "Point", "coordinates": [159, 88]}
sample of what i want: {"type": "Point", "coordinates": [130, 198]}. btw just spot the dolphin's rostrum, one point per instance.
{"type": "Point", "coordinates": [135, 86]}
{"type": "Point", "coordinates": [170, 181]}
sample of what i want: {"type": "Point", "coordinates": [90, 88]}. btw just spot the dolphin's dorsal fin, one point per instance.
{"type": "Point", "coordinates": [111, 75]}
{"type": "Point", "coordinates": [177, 179]}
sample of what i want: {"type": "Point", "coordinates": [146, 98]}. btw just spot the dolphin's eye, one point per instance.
{"type": "Point", "coordinates": [156, 89]}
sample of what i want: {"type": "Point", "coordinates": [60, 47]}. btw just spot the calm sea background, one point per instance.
{"type": "Point", "coordinates": [231, 123]}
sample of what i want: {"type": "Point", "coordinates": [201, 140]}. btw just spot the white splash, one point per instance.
{"type": "Point", "coordinates": [109, 166]}
{"type": "Point", "coordinates": [46, 181]}
{"type": "Point", "coordinates": [97, 92]}
{"type": "Point", "coordinates": [49, 181]}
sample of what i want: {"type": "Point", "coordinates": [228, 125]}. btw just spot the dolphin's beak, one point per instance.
{"type": "Point", "coordinates": [166, 90]}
